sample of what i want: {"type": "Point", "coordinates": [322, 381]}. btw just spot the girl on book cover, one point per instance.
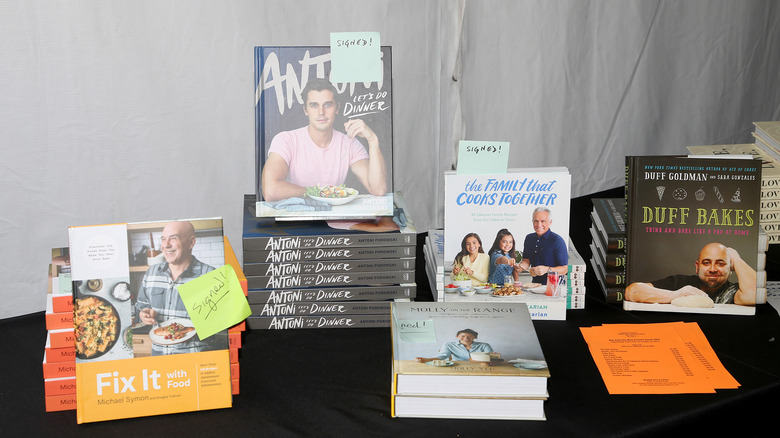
{"type": "Point", "coordinates": [502, 260]}
{"type": "Point", "coordinates": [472, 260]}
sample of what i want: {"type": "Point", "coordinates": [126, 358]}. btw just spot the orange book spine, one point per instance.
{"type": "Point", "coordinates": [233, 355]}
{"type": "Point", "coordinates": [232, 260]}
{"type": "Point", "coordinates": [64, 402]}
{"type": "Point", "coordinates": [62, 303]}
{"type": "Point", "coordinates": [59, 386]}
{"type": "Point", "coordinates": [234, 386]}
{"type": "Point", "coordinates": [240, 327]}
{"type": "Point", "coordinates": [234, 340]}
{"type": "Point", "coordinates": [59, 320]}
{"type": "Point", "coordinates": [61, 338]}
{"type": "Point", "coordinates": [59, 369]}
{"type": "Point", "coordinates": [65, 354]}
{"type": "Point", "coordinates": [234, 371]}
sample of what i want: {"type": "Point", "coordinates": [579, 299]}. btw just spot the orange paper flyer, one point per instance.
{"type": "Point", "coordinates": [673, 358]}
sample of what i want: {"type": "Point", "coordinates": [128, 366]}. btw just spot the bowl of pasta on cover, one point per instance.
{"type": "Point", "coordinates": [332, 194]}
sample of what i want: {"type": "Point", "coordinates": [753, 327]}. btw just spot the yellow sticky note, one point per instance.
{"type": "Point", "coordinates": [215, 301]}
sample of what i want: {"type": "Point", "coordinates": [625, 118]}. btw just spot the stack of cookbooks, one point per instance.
{"type": "Point", "coordinates": [467, 360]}
{"type": "Point", "coordinates": [433, 249]}
{"type": "Point", "coordinates": [59, 361]}
{"type": "Point", "coordinates": [767, 137]}
{"type": "Point", "coordinates": [317, 274]}
{"type": "Point", "coordinates": [608, 246]}
{"type": "Point", "coordinates": [767, 149]}
{"type": "Point", "coordinates": [327, 241]}
{"type": "Point", "coordinates": [575, 289]}
{"type": "Point", "coordinates": [235, 332]}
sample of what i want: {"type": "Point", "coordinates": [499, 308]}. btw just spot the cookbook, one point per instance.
{"type": "Point", "coordinates": [465, 351]}
{"type": "Point", "coordinates": [138, 353]}
{"type": "Point", "coordinates": [692, 234]}
{"type": "Point", "coordinates": [496, 222]}
{"type": "Point", "coordinates": [323, 150]}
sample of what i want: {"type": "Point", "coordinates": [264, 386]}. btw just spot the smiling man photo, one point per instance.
{"type": "Point", "coordinates": [715, 264]}
{"type": "Point", "coordinates": [318, 154]}
{"type": "Point", "coordinates": [158, 297]}
{"type": "Point", "coordinates": [544, 250]}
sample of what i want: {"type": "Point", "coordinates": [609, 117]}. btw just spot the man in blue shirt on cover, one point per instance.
{"type": "Point", "coordinates": [460, 349]}
{"type": "Point", "coordinates": [544, 250]}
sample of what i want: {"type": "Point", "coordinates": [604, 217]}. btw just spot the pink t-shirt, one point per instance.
{"type": "Point", "coordinates": [310, 164]}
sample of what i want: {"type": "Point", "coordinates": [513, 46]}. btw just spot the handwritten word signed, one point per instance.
{"type": "Point", "coordinates": [217, 292]}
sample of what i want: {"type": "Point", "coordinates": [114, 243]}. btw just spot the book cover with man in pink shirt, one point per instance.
{"type": "Point", "coordinates": [323, 149]}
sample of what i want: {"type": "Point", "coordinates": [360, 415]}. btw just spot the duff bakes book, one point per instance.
{"type": "Point", "coordinates": [692, 234]}
{"type": "Point", "coordinates": [323, 150]}
{"type": "Point", "coordinates": [122, 371]}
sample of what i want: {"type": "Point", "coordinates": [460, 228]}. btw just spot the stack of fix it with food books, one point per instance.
{"type": "Point", "coordinates": [59, 361]}
{"type": "Point", "coordinates": [506, 234]}
{"type": "Point", "coordinates": [694, 243]}
{"type": "Point", "coordinates": [310, 274]}
{"type": "Point", "coordinates": [63, 389]}
{"type": "Point", "coordinates": [467, 360]}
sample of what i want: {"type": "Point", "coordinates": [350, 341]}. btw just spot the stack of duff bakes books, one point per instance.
{"type": "Point", "coordinates": [59, 362]}
{"type": "Point", "coordinates": [307, 274]}
{"type": "Point", "coordinates": [608, 246]}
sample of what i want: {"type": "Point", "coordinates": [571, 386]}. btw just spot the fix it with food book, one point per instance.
{"type": "Point", "coordinates": [138, 352]}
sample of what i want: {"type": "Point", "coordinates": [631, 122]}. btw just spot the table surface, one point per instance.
{"type": "Point", "coordinates": [336, 382]}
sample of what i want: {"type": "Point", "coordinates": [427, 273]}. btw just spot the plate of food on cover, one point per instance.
{"type": "Point", "coordinates": [483, 288]}
{"type": "Point", "coordinates": [331, 194]}
{"type": "Point", "coordinates": [536, 288]}
{"type": "Point", "coordinates": [529, 364]}
{"type": "Point", "coordinates": [97, 326]}
{"type": "Point", "coordinates": [173, 331]}
{"type": "Point", "coordinates": [440, 363]}
{"type": "Point", "coordinates": [507, 291]}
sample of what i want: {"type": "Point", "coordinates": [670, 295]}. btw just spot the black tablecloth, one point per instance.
{"type": "Point", "coordinates": [336, 382]}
